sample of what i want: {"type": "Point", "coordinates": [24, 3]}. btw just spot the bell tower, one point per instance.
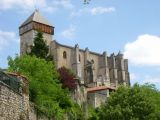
{"type": "Point", "coordinates": [28, 29]}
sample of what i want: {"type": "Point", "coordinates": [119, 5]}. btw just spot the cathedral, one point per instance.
{"type": "Point", "coordinates": [98, 73]}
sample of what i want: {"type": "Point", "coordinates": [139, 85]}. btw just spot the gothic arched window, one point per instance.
{"type": "Point", "coordinates": [79, 58]}
{"type": "Point", "coordinates": [64, 54]}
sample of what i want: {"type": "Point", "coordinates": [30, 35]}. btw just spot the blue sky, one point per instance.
{"type": "Point", "coordinates": [103, 25]}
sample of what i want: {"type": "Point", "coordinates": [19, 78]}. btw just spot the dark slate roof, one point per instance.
{"type": "Point", "coordinates": [36, 17]}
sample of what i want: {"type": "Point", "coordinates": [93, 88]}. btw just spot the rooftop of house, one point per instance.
{"type": "Point", "coordinates": [99, 88]}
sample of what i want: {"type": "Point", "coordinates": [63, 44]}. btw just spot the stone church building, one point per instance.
{"type": "Point", "coordinates": [98, 73]}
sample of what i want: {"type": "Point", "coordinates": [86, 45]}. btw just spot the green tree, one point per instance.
{"type": "Point", "coordinates": [48, 96]}
{"type": "Point", "coordinates": [131, 103]}
{"type": "Point", "coordinates": [92, 113]}
{"type": "Point", "coordinates": [154, 95]}
{"type": "Point", "coordinates": [40, 48]}
{"type": "Point", "coordinates": [76, 112]}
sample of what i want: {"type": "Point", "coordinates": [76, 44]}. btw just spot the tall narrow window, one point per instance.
{"type": "Point", "coordinates": [79, 58]}
{"type": "Point", "coordinates": [64, 55]}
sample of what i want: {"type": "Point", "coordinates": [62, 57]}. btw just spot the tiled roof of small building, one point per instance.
{"type": "Point", "coordinates": [99, 88]}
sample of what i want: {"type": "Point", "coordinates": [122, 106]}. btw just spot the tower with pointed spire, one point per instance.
{"type": "Point", "coordinates": [36, 22]}
{"type": "Point", "coordinates": [98, 74]}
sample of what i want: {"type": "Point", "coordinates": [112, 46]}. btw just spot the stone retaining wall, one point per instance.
{"type": "Point", "coordinates": [11, 104]}
{"type": "Point", "coordinates": [16, 105]}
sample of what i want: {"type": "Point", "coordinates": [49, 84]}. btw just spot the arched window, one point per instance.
{"type": "Point", "coordinates": [64, 55]}
{"type": "Point", "coordinates": [92, 61]}
{"type": "Point", "coordinates": [79, 58]}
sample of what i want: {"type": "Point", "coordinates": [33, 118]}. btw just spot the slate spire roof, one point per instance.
{"type": "Point", "coordinates": [36, 17]}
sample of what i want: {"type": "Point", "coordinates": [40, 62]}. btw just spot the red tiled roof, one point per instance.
{"type": "Point", "coordinates": [99, 88]}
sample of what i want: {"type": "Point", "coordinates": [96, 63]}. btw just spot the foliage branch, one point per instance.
{"type": "Point", "coordinates": [67, 78]}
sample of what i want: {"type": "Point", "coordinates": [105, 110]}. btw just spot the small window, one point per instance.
{"type": "Point", "coordinates": [79, 58]}
{"type": "Point", "coordinates": [92, 61]}
{"type": "Point", "coordinates": [64, 55]}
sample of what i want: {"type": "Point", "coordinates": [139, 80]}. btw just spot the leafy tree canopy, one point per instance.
{"type": "Point", "coordinates": [131, 103]}
{"type": "Point", "coordinates": [48, 96]}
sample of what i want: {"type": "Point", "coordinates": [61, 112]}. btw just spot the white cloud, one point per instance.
{"type": "Point", "coordinates": [93, 11]}
{"type": "Point", "coordinates": [7, 38]}
{"type": "Point", "coordinates": [63, 3]}
{"type": "Point", "coordinates": [101, 10]}
{"type": "Point", "coordinates": [152, 80]}
{"type": "Point", "coordinates": [132, 76]}
{"type": "Point", "coordinates": [8, 4]}
{"type": "Point", "coordinates": [69, 33]}
{"type": "Point", "coordinates": [44, 5]}
{"type": "Point", "coordinates": [144, 51]}
{"type": "Point", "coordinates": [135, 78]}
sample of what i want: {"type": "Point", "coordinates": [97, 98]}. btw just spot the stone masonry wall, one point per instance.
{"type": "Point", "coordinates": [16, 106]}
{"type": "Point", "coordinates": [11, 104]}
{"type": "Point", "coordinates": [33, 115]}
